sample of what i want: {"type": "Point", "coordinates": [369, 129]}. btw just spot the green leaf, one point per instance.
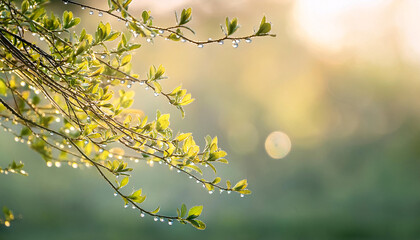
{"type": "Point", "coordinates": [194, 212]}
{"type": "Point", "coordinates": [198, 224]}
{"type": "Point", "coordinates": [264, 27]}
{"type": "Point", "coordinates": [124, 182]}
{"type": "Point", "coordinates": [240, 185]}
{"type": "Point", "coordinates": [162, 122]}
{"type": "Point", "coordinates": [185, 16]}
{"type": "Point", "coordinates": [231, 26]}
{"type": "Point", "coordinates": [3, 88]}
{"type": "Point", "coordinates": [156, 210]}
{"type": "Point", "coordinates": [125, 60]}
{"type": "Point", "coordinates": [25, 6]}
{"type": "Point", "coordinates": [183, 210]}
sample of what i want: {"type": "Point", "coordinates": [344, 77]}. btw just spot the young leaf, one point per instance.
{"type": "Point", "coordinates": [195, 212]}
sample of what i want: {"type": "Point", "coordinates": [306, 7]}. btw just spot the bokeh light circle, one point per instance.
{"type": "Point", "coordinates": [278, 145]}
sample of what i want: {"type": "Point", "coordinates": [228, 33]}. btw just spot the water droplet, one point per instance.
{"type": "Point", "coordinates": [170, 222]}
{"type": "Point", "coordinates": [200, 45]}
{"type": "Point", "coordinates": [74, 165]}
{"type": "Point", "coordinates": [115, 194]}
{"type": "Point", "coordinates": [161, 31]}
{"type": "Point", "coordinates": [41, 38]}
{"type": "Point", "coordinates": [221, 42]}
{"type": "Point", "coordinates": [126, 205]}
{"type": "Point", "coordinates": [65, 2]}
{"type": "Point", "coordinates": [83, 7]}
{"type": "Point", "coordinates": [86, 142]}
{"type": "Point", "coordinates": [221, 190]}
{"type": "Point", "coordinates": [100, 14]}
{"type": "Point", "coordinates": [162, 219]}
{"type": "Point", "coordinates": [234, 44]}
{"type": "Point", "coordinates": [210, 192]}
{"type": "Point", "coordinates": [183, 40]}
{"type": "Point", "coordinates": [122, 81]}
{"type": "Point", "coordinates": [197, 181]}
{"type": "Point", "coordinates": [141, 82]}
{"type": "Point", "coordinates": [248, 40]}
{"type": "Point", "coordinates": [156, 94]}
{"type": "Point", "coordinates": [146, 88]}
{"type": "Point", "coordinates": [49, 164]}
{"type": "Point", "coordinates": [57, 119]}
{"type": "Point", "coordinates": [101, 150]}
{"type": "Point", "coordinates": [228, 191]}
{"type": "Point", "coordinates": [103, 56]}
{"type": "Point", "coordinates": [90, 12]}
{"type": "Point", "coordinates": [141, 214]}
{"type": "Point", "coordinates": [190, 177]}
{"type": "Point", "coordinates": [178, 171]}
{"type": "Point", "coordinates": [238, 40]}
{"type": "Point", "coordinates": [204, 185]}
{"type": "Point", "coordinates": [17, 139]}
{"type": "Point", "coordinates": [133, 207]}
{"type": "Point", "coordinates": [128, 85]}
{"type": "Point", "coordinates": [155, 219]}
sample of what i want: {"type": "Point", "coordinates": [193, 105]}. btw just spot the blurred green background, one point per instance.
{"type": "Point", "coordinates": [341, 79]}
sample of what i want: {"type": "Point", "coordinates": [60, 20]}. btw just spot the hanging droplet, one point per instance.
{"type": "Point", "coordinates": [155, 219]}
{"type": "Point", "coordinates": [122, 81]}
{"type": "Point", "coordinates": [210, 192]}
{"type": "Point", "coordinates": [141, 82]}
{"type": "Point", "coordinates": [100, 14]}
{"type": "Point", "coordinates": [221, 190]}
{"type": "Point", "coordinates": [115, 194]}
{"type": "Point", "coordinates": [65, 2]}
{"type": "Point", "coordinates": [90, 12]}
{"type": "Point", "coordinates": [248, 40]}
{"type": "Point", "coordinates": [83, 7]}
{"type": "Point", "coordinates": [74, 165]}
{"type": "Point", "coordinates": [162, 219]}
{"type": "Point", "coordinates": [103, 56]}
{"type": "Point", "coordinates": [86, 142]}
{"type": "Point", "coordinates": [178, 171]}
{"type": "Point", "coordinates": [242, 195]}
{"type": "Point", "coordinates": [126, 205]}
{"type": "Point", "coordinates": [128, 85]}
{"type": "Point", "coordinates": [161, 31]}
{"type": "Point", "coordinates": [238, 40]}
{"type": "Point", "coordinates": [204, 185]}
{"type": "Point", "coordinates": [221, 42]}
{"type": "Point", "coordinates": [156, 94]}
{"type": "Point", "coordinates": [146, 88]}
{"type": "Point", "coordinates": [58, 119]}
{"type": "Point", "coordinates": [141, 214]}
{"type": "Point", "coordinates": [183, 40]}
{"type": "Point", "coordinates": [197, 181]}
{"type": "Point", "coordinates": [200, 45]}
{"type": "Point", "coordinates": [228, 191]}
{"type": "Point", "coordinates": [170, 222]}
{"type": "Point", "coordinates": [190, 177]}
{"type": "Point", "coordinates": [234, 44]}
{"type": "Point", "coordinates": [101, 150]}
{"type": "Point", "coordinates": [133, 207]}
{"type": "Point", "coordinates": [49, 164]}
{"type": "Point", "coordinates": [41, 38]}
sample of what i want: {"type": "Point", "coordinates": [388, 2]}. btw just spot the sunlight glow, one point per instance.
{"type": "Point", "coordinates": [278, 145]}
